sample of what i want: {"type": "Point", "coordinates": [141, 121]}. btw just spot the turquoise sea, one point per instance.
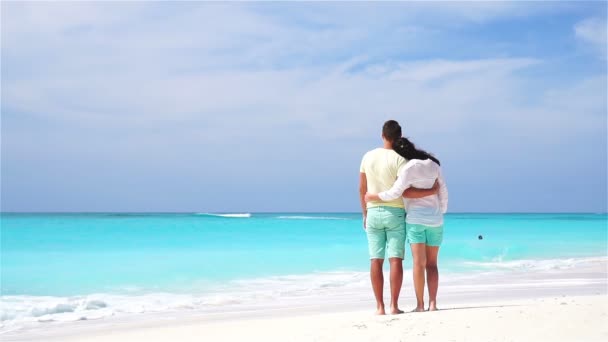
{"type": "Point", "coordinates": [70, 266]}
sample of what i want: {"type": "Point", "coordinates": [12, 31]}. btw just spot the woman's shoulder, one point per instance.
{"type": "Point", "coordinates": [426, 164]}
{"type": "Point", "coordinates": [414, 162]}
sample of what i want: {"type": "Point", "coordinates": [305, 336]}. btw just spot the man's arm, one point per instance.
{"type": "Point", "coordinates": [372, 197]}
{"type": "Point", "coordinates": [395, 191]}
{"type": "Point", "coordinates": [419, 193]}
{"type": "Point", "coordinates": [362, 191]}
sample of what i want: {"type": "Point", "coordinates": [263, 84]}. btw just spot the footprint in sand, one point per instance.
{"type": "Point", "coordinates": [390, 322]}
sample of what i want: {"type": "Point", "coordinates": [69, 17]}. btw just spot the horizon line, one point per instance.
{"type": "Point", "coordinates": [288, 212]}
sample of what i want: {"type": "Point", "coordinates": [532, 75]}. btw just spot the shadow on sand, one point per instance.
{"type": "Point", "coordinates": [478, 307]}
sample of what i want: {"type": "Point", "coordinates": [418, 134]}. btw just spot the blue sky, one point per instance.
{"type": "Point", "coordinates": [245, 107]}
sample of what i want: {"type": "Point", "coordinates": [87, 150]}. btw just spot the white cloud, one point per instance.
{"type": "Point", "coordinates": [430, 70]}
{"type": "Point", "coordinates": [593, 31]}
{"type": "Point", "coordinates": [164, 91]}
{"type": "Point", "coordinates": [112, 65]}
{"type": "Point", "coordinates": [441, 95]}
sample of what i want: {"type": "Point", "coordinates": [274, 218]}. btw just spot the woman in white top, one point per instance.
{"type": "Point", "coordinates": [424, 220]}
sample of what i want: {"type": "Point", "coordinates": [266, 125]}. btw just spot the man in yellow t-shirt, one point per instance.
{"type": "Point", "coordinates": [384, 222]}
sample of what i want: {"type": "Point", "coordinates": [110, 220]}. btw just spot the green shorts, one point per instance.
{"type": "Point", "coordinates": [386, 232]}
{"type": "Point", "coordinates": [419, 233]}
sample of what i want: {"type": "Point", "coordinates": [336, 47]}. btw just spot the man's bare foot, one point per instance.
{"type": "Point", "coordinates": [433, 306]}
{"type": "Point", "coordinates": [418, 309]}
{"type": "Point", "coordinates": [380, 310]}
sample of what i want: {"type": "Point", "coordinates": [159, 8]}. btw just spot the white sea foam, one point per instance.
{"type": "Point", "coordinates": [235, 215]}
{"type": "Point", "coordinates": [300, 217]}
{"type": "Point", "coordinates": [538, 265]}
{"type": "Point", "coordinates": [21, 311]}
{"type": "Point", "coordinates": [18, 311]}
{"type": "Point", "coordinates": [281, 291]}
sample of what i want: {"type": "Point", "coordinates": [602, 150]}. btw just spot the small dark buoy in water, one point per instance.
{"type": "Point", "coordinates": [480, 237]}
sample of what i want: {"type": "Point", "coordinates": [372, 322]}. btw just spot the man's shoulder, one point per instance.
{"type": "Point", "coordinates": [375, 150]}
{"type": "Point", "coordinates": [385, 154]}
{"type": "Point", "coordinates": [368, 158]}
{"type": "Point", "coordinates": [400, 160]}
{"type": "Point", "coordinates": [371, 153]}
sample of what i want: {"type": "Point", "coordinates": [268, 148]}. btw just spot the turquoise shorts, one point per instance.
{"type": "Point", "coordinates": [386, 232]}
{"type": "Point", "coordinates": [419, 233]}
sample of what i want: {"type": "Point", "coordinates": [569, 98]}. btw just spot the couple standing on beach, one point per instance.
{"type": "Point", "coordinates": [395, 179]}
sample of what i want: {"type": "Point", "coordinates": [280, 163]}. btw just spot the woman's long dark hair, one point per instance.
{"type": "Point", "coordinates": [408, 150]}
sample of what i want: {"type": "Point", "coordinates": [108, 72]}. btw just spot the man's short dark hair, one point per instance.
{"type": "Point", "coordinates": [391, 130]}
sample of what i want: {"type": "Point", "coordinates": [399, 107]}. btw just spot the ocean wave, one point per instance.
{"type": "Point", "coordinates": [538, 265]}
{"type": "Point", "coordinates": [27, 309]}
{"type": "Point", "coordinates": [300, 217]}
{"type": "Point", "coordinates": [21, 311]}
{"type": "Point", "coordinates": [236, 215]}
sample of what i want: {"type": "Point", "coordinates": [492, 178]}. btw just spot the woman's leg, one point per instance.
{"type": "Point", "coordinates": [419, 256]}
{"type": "Point", "coordinates": [432, 275]}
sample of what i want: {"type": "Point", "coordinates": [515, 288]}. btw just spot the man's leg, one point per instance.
{"type": "Point", "coordinates": [376, 238]}
{"type": "Point", "coordinates": [377, 278]}
{"type": "Point", "coordinates": [420, 262]}
{"type": "Point", "coordinates": [396, 282]}
{"type": "Point", "coordinates": [394, 221]}
{"type": "Point", "coordinates": [395, 248]}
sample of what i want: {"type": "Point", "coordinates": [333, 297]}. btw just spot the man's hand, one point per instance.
{"type": "Point", "coordinates": [364, 222]}
{"type": "Point", "coordinates": [435, 187]}
{"type": "Point", "coordinates": [371, 197]}
{"type": "Point", "coordinates": [419, 193]}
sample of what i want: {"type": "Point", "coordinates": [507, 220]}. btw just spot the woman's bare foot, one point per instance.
{"type": "Point", "coordinates": [433, 306]}
{"type": "Point", "coordinates": [380, 310]}
{"type": "Point", "coordinates": [418, 309]}
{"type": "Point", "coordinates": [396, 311]}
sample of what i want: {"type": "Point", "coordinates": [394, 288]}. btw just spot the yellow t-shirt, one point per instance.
{"type": "Point", "coordinates": [381, 167]}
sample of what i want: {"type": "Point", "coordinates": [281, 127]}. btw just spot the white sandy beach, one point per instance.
{"type": "Point", "coordinates": [568, 304]}
{"type": "Point", "coordinates": [568, 318]}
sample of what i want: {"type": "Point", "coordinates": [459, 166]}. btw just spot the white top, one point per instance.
{"type": "Point", "coordinates": [420, 174]}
